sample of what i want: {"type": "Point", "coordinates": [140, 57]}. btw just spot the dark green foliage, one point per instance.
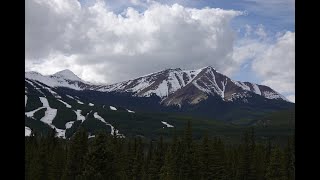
{"type": "Point", "coordinates": [157, 160]}
{"type": "Point", "coordinates": [99, 162]}
{"type": "Point", "coordinates": [276, 167]}
{"type": "Point", "coordinates": [37, 125]}
{"type": "Point", "coordinates": [183, 158]}
{"type": "Point", "coordinates": [73, 129]}
{"type": "Point", "coordinates": [40, 113]}
{"type": "Point", "coordinates": [76, 153]}
{"type": "Point", "coordinates": [247, 170]}
{"type": "Point", "coordinates": [33, 103]}
{"type": "Point", "coordinates": [63, 115]}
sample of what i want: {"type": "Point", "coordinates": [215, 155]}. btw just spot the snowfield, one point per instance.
{"type": "Point", "coordinates": [27, 131]}
{"type": "Point", "coordinates": [67, 105]}
{"type": "Point", "coordinates": [69, 124]}
{"type": "Point", "coordinates": [130, 111]}
{"type": "Point", "coordinates": [113, 130]}
{"type": "Point", "coordinates": [31, 113]}
{"type": "Point", "coordinates": [79, 102]}
{"type": "Point", "coordinates": [113, 108]}
{"type": "Point", "coordinates": [168, 125]}
{"type": "Point", "coordinates": [80, 117]}
{"type": "Point", "coordinates": [49, 115]}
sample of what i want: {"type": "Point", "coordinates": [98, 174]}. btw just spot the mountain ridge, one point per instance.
{"type": "Point", "coordinates": [64, 103]}
{"type": "Point", "coordinates": [174, 85]}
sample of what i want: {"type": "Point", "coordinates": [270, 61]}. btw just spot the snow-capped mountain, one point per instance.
{"type": "Point", "coordinates": [64, 78]}
{"type": "Point", "coordinates": [64, 102]}
{"type": "Point", "coordinates": [173, 86]}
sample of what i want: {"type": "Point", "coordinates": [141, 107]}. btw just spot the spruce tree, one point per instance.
{"type": "Point", "coordinates": [188, 167]}
{"type": "Point", "coordinates": [204, 158]}
{"type": "Point", "coordinates": [275, 169]}
{"type": "Point", "coordinates": [57, 162]}
{"type": "Point", "coordinates": [138, 161]}
{"type": "Point", "coordinates": [247, 169]}
{"type": "Point", "coordinates": [76, 153]}
{"type": "Point", "coordinates": [157, 161]}
{"type": "Point", "coordinates": [289, 159]}
{"type": "Point", "coordinates": [259, 162]}
{"type": "Point", "coordinates": [99, 159]}
{"type": "Point", "coordinates": [218, 161]}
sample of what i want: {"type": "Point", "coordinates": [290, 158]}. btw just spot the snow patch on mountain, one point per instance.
{"type": "Point", "coordinates": [161, 91]}
{"type": "Point", "coordinates": [242, 85]}
{"type": "Point", "coordinates": [67, 105]}
{"type": "Point", "coordinates": [130, 111]}
{"type": "Point", "coordinates": [273, 95]}
{"type": "Point", "coordinates": [25, 100]}
{"type": "Point", "coordinates": [168, 125]}
{"type": "Point", "coordinates": [256, 89]}
{"type": "Point", "coordinates": [31, 113]}
{"type": "Point", "coordinates": [79, 102]}
{"type": "Point", "coordinates": [49, 115]}
{"type": "Point", "coordinates": [54, 94]}
{"type": "Point", "coordinates": [35, 87]}
{"type": "Point", "coordinates": [91, 136]}
{"type": "Point", "coordinates": [69, 124]}
{"type": "Point", "coordinates": [27, 131]}
{"type": "Point", "coordinates": [80, 117]}
{"type": "Point", "coordinates": [70, 96]}
{"type": "Point", "coordinates": [201, 88]}
{"type": "Point", "coordinates": [242, 96]}
{"type": "Point", "coordinates": [90, 104]}
{"type": "Point", "coordinates": [113, 130]}
{"type": "Point", "coordinates": [113, 108]}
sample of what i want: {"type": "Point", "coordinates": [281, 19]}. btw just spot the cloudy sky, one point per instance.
{"type": "Point", "coordinates": [107, 41]}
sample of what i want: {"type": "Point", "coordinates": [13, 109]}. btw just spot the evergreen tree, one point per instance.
{"type": "Point", "coordinates": [157, 161]}
{"type": "Point", "coordinates": [259, 162]}
{"type": "Point", "coordinates": [218, 162]}
{"type": "Point", "coordinates": [168, 169]}
{"type": "Point", "coordinates": [289, 159]}
{"type": "Point", "coordinates": [99, 160]}
{"type": "Point", "coordinates": [148, 159]}
{"type": "Point", "coordinates": [188, 169]}
{"type": "Point", "coordinates": [233, 162]}
{"type": "Point", "coordinates": [76, 153]}
{"type": "Point", "coordinates": [138, 161]}
{"type": "Point", "coordinates": [205, 159]}
{"type": "Point", "coordinates": [32, 159]}
{"type": "Point", "coordinates": [275, 169]}
{"type": "Point", "coordinates": [57, 162]}
{"type": "Point", "coordinates": [247, 169]}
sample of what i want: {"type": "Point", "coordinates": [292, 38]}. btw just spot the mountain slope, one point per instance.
{"type": "Point", "coordinates": [66, 109]}
{"type": "Point", "coordinates": [173, 86]}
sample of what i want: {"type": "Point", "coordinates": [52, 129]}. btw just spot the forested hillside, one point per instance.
{"type": "Point", "coordinates": [104, 156]}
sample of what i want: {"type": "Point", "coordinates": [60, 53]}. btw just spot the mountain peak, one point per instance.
{"type": "Point", "coordinates": [208, 67]}
{"type": "Point", "coordinates": [67, 74]}
{"type": "Point", "coordinates": [173, 69]}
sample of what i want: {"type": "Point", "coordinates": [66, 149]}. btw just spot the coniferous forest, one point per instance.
{"type": "Point", "coordinates": [107, 157]}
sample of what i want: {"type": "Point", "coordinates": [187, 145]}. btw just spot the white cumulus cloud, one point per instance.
{"type": "Point", "coordinates": [277, 64]}
{"type": "Point", "coordinates": [103, 46]}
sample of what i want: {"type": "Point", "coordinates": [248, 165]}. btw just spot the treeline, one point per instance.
{"type": "Point", "coordinates": [108, 157]}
